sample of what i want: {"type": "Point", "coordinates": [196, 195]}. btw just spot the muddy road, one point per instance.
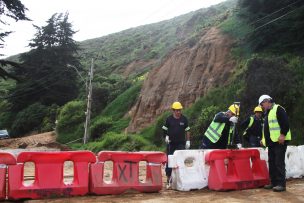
{"type": "Point", "coordinates": [294, 193]}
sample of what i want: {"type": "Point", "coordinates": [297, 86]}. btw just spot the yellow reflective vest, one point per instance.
{"type": "Point", "coordinates": [214, 131]}
{"type": "Point", "coordinates": [274, 127]}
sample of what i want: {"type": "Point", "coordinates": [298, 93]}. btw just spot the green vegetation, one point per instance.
{"type": "Point", "coordinates": [269, 60]}
{"type": "Point", "coordinates": [120, 142]}
{"type": "Point", "coordinates": [70, 122]}
{"type": "Point", "coordinates": [121, 105]}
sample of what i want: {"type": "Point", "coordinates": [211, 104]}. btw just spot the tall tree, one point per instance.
{"type": "Point", "coordinates": [9, 9]}
{"type": "Point", "coordinates": [46, 77]}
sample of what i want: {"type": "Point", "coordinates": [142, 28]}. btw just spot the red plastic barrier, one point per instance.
{"type": "Point", "coordinates": [49, 177]}
{"type": "Point", "coordinates": [236, 169]}
{"type": "Point", "coordinates": [5, 159]}
{"type": "Point", "coordinates": [125, 173]}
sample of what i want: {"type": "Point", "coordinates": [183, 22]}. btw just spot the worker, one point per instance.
{"type": "Point", "coordinates": [253, 125]}
{"type": "Point", "coordinates": [222, 129]}
{"type": "Point", "coordinates": [276, 135]}
{"type": "Point", "coordinates": [176, 133]}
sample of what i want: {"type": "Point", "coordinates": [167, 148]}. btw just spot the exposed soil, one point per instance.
{"type": "Point", "coordinates": [38, 142]}
{"type": "Point", "coordinates": [186, 74]}
{"type": "Point", "coordinates": [293, 194]}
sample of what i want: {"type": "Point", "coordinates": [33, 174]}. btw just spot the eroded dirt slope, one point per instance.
{"type": "Point", "coordinates": [185, 75]}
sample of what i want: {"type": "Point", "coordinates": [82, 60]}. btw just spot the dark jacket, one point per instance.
{"type": "Point", "coordinates": [176, 129]}
{"type": "Point", "coordinates": [253, 134]}
{"type": "Point", "coordinates": [222, 143]}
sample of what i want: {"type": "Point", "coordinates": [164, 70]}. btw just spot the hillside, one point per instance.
{"type": "Point", "coordinates": [186, 74]}
{"type": "Point", "coordinates": [137, 50]}
{"type": "Point", "coordinates": [207, 59]}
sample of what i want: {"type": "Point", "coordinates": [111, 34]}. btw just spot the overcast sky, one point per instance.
{"type": "Point", "coordinates": [95, 18]}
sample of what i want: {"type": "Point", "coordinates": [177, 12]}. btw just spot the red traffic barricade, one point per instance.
{"type": "Point", "coordinates": [236, 169]}
{"type": "Point", "coordinates": [49, 177]}
{"type": "Point", "coordinates": [125, 174]}
{"type": "Point", "coordinates": [5, 159]}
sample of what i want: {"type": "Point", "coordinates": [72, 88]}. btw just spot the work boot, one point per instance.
{"type": "Point", "coordinates": [268, 187]}
{"type": "Point", "coordinates": [279, 188]}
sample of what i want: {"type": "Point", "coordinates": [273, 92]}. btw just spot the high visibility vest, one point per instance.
{"type": "Point", "coordinates": [249, 125]}
{"type": "Point", "coordinates": [274, 127]}
{"type": "Point", "coordinates": [214, 131]}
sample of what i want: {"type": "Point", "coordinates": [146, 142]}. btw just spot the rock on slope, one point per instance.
{"type": "Point", "coordinates": [186, 74]}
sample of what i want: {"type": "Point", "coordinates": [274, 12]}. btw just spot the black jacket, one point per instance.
{"type": "Point", "coordinates": [176, 129]}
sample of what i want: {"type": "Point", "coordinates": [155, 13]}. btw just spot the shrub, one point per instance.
{"type": "Point", "coordinates": [29, 119]}
{"type": "Point", "coordinates": [70, 122]}
{"type": "Point", "coordinates": [120, 142]}
{"type": "Point", "coordinates": [99, 126]}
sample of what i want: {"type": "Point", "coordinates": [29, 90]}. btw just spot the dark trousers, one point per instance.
{"type": "Point", "coordinates": [207, 144]}
{"type": "Point", "coordinates": [254, 141]}
{"type": "Point", "coordinates": [276, 160]}
{"type": "Point", "coordinates": [170, 150]}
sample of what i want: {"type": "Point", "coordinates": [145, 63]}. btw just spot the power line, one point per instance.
{"type": "Point", "coordinates": [41, 82]}
{"type": "Point", "coordinates": [31, 92]}
{"type": "Point", "coordinates": [274, 12]}
{"type": "Point", "coordinates": [273, 20]}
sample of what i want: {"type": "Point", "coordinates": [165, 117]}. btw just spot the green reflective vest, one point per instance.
{"type": "Point", "coordinates": [274, 127]}
{"type": "Point", "coordinates": [214, 131]}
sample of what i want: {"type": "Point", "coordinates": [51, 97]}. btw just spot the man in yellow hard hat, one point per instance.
{"type": "Point", "coordinates": [276, 135]}
{"type": "Point", "coordinates": [253, 127]}
{"type": "Point", "coordinates": [176, 133]}
{"type": "Point", "coordinates": [220, 131]}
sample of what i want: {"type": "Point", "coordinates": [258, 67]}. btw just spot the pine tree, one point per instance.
{"type": "Point", "coordinates": [13, 9]}
{"type": "Point", "coordinates": [45, 77]}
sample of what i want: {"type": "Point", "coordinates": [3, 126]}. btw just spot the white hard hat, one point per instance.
{"type": "Point", "coordinates": [263, 97]}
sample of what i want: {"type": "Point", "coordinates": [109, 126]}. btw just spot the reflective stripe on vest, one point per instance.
{"type": "Point", "coordinates": [249, 125]}
{"type": "Point", "coordinates": [214, 131]}
{"type": "Point", "coordinates": [230, 133]}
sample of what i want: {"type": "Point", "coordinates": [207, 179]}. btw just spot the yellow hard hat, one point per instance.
{"type": "Point", "coordinates": [258, 109]}
{"type": "Point", "coordinates": [177, 106]}
{"type": "Point", "coordinates": [235, 109]}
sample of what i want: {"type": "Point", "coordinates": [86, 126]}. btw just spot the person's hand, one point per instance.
{"type": "Point", "coordinates": [239, 146]}
{"type": "Point", "coordinates": [187, 144]}
{"type": "Point", "coordinates": [167, 139]}
{"type": "Point", "coordinates": [281, 139]}
{"type": "Point", "coordinates": [233, 119]}
{"type": "Point", "coordinates": [261, 143]}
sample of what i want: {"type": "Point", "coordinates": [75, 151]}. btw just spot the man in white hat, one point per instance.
{"type": "Point", "coordinates": [276, 135]}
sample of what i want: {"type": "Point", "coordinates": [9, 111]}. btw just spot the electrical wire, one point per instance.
{"type": "Point", "coordinates": [275, 19]}
{"type": "Point", "coordinates": [41, 82]}
{"type": "Point", "coordinates": [273, 12]}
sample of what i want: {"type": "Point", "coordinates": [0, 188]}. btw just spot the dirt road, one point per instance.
{"type": "Point", "coordinates": [293, 194]}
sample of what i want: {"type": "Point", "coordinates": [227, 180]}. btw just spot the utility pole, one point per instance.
{"type": "Point", "coordinates": [88, 112]}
